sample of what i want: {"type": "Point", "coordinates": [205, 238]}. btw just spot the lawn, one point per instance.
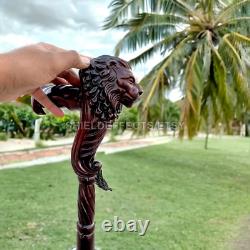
{"type": "Point", "coordinates": [194, 199]}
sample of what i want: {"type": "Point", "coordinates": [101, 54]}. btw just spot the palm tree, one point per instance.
{"type": "Point", "coordinates": [204, 46]}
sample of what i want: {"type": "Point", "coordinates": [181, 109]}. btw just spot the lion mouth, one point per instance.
{"type": "Point", "coordinates": [128, 101]}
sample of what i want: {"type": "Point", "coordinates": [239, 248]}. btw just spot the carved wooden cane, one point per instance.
{"type": "Point", "coordinates": [106, 85]}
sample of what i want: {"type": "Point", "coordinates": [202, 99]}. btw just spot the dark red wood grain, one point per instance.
{"type": "Point", "coordinates": [106, 85]}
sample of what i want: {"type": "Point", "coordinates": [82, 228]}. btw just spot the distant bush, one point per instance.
{"type": "Point", "coordinates": [127, 119]}
{"type": "Point", "coordinates": [39, 144]}
{"type": "Point", "coordinates": [3, 137]}
{"type": "Point", "coordinates": [163, 116]}
{"type": "Point", "coordinates": [60, 126]}
{"type": "Point", "coordinates": [18, 121]}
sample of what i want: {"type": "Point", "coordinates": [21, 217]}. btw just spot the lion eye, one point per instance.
{"type": "Point", "coordinates": [132, 79]}
{"type": "Point", "coordinates": [112, 63]}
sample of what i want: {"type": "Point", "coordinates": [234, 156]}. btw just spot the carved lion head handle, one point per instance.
{"type": "Point", "coordinates": [108, 83]}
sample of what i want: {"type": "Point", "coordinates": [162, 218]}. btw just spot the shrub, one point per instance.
{"type": "Point", "coordinates": [60, 126]}
{"type": "Point", "coordinates": [127, 119]}
{"type": "Point", "coordinates": [39, 144]}
{"type": "Point", "coordinates": [18, 120]}
{"type": "Point", "coordinates": [3, 137]}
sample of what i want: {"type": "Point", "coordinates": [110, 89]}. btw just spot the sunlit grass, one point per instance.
{"type": "Point", "coordinates": [195, 199]}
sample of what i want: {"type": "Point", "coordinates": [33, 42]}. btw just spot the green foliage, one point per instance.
{"type": "Point", "coordinates": [39, 144]}
{"type": "Point", "coordinates": [127, 120]}
{"type": "Point", "coordinates": [163, 115]}
{"type": "Point", "coordinates": [26, 99]}
{"type": "Point", "coordinates": [61, 126]}
{"type": "Point", "coordinates": [3, 137]}
{"type": "Point", "coordinates": [205, 52]}
{"type": "Point", "coordinates": [18, 120]}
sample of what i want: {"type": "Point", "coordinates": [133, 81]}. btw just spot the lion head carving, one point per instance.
{"type": "Point", "coordinates": [109, 83]}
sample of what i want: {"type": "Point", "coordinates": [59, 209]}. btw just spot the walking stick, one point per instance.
{"type": "Point", "coordinates": [106, 85]}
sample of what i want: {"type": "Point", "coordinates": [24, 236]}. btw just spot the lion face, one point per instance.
{"type": "Point", "coordinates": [127, 89]}
{"type": "Point", "coordinates": [108, 83]}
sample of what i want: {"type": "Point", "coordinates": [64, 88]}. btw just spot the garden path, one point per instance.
{"type": "Point", "coordinates": [55, 153]}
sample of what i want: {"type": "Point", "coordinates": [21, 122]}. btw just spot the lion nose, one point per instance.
{"type": "Point", "coordinates": [140, 91]}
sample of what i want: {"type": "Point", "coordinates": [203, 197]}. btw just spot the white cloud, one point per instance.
{"type": "Point", "coordinates": [70, 24]}
{"type": "Point", "coordinates": [47, 14]}
{"type": "Point", "coordinates": [11, 41]}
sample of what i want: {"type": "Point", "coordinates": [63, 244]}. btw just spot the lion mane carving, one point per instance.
{"type": "Point", "coordinates": [99, 85]}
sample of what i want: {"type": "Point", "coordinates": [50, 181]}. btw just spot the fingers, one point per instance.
{"type": "Point", "coordinates": [59, 80]}
{"type": "Point", "coordinates": [71, 59]}
{"type": "Point", "coordinates": [71, 77]}
{"type": "Point", "coordinates": [67, 77]}
{"type": "Point", "coordinates": [39, 95]}
{"type": "Point", "coordinates": [63, 60]}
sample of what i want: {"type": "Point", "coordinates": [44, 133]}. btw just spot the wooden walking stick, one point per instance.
{"type": "Point", "coordinates": [106, 85]}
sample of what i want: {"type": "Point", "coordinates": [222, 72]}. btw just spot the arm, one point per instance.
{"type": "Point", "coordinates": [25, 70]}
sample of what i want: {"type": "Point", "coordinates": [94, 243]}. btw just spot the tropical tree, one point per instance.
{"type": "Point", "coordinates": [163, 116]}
{"type": "Point", "coordinates": [205, 50]}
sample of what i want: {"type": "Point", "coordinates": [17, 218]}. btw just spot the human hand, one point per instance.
{"type": "Point", "coordinates": [25, 70]}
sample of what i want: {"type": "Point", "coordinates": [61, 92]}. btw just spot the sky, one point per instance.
{"type": "Point", "coordinates": [70, 24]}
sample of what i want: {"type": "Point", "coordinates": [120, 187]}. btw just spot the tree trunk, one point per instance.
{"type": "Point", "coordinates": [247, 125]}
{"type": "Point", "coordinates": [206, 140]}
{"type": "Point", "coordinates": [207, 136]}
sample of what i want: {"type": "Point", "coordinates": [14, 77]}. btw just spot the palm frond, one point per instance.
{"type": "Point", "coordinates": [240, 38]}
{"type": "Point", "coordinates": [141, 36]}
{"type": "Point", "coordinates": [158, 74]}
{"type": "Point", "coordinates": [233, 51]}
{"type": "Point", "coordinates": [176, 6]}
{"type": "Point", "coordinates": [223, 92]}
{"type": "Point", "coordinates": [231, 10]}
{"type": "Point", "coordinates": [164, 45]}
{"type": "Point", "coordinates": [236, 20]}
{"type": "Point", "coordinates": [239, 24]}
{"type": "Point", "coordinates": [205, 49]}
{"type": "Point", "coordinates": [121, 10]}
{"type": "Point", "coordinates": [194, 80]}
{"type": "Point", "coordinates": [151, 19]}
{"type": "Point", "coordinates": [237, 73]}
{"type": "Point", "coordinates": [220, 76]}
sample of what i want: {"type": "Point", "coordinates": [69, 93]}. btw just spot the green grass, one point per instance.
{"type": "Point", "coordinates": [195, 199]}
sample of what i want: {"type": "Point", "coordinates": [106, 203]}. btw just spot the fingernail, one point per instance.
{"type": "Point", "coordinates": [60, 113]}
{"type": "Point", "coordinates": [57, 112]}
